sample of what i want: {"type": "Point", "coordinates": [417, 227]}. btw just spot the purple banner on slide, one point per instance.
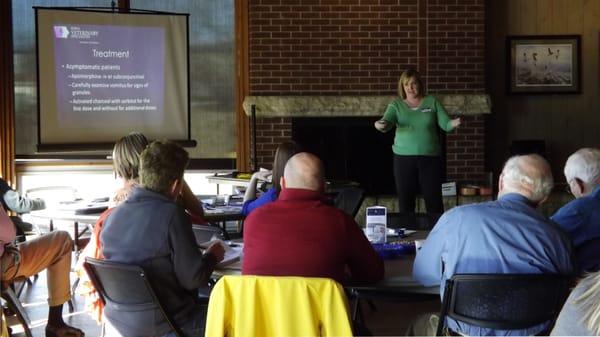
{"type": "Point", "coordinates": [108, 73]}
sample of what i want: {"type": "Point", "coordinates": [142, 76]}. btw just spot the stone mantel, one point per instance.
{"type": "Point", "coordinates": [355, 106]}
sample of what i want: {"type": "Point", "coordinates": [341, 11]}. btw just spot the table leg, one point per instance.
{"type": "Point", "coordinates": [76, 236]}
{"type": "Point", "coordinates": [225, 233]}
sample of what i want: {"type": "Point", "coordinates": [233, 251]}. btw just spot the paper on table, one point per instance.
{"type": "Point", "coordinates": [233, 252]}
{"type": "Point", "coordinates": [232, 255]}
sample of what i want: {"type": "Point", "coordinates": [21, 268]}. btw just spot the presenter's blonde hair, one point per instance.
{"type": "Point", "coordinates": [405, 78]}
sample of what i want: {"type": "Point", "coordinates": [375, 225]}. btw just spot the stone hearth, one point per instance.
{"type": "Point", "coordinates": [348, 106]}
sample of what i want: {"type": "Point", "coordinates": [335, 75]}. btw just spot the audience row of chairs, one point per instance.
{"type": "Point", "coordinates": [319, 306]}
{"type": "Point", "coordinates": [503, 301]}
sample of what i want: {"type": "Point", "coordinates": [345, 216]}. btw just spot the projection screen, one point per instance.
{"type": "Point", "coordinates": [104, 74]}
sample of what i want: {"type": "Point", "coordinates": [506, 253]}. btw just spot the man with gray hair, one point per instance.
{"type": "Point", "coordinates": [503, 236]}
{"type": "Point", "coordinates": [580, 218]}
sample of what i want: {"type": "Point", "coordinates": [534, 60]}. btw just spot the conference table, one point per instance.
{"type": "Point", "coordinates": [54, 215]}
{"type": "Point", "coordinates": [214, 215]}
{"type": "Point", "coordinates": [397, 284]}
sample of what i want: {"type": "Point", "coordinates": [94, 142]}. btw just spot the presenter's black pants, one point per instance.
{"type": "Point", "coordinates": [414, 174]}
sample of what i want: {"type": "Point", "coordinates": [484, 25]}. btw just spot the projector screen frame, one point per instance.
{"type": "Point", "coordinates": [95, 146]}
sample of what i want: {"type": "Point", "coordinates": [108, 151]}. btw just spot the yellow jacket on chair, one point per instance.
{"type": "Point", "coordinates": [277, 306]}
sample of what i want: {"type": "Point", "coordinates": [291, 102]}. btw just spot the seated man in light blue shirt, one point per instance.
{"type": "Point", "coordinates": [503, 236]}
{"type": "Point", "coordinates": [580, 218]}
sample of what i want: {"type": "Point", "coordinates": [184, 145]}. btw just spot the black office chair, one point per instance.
{"type": "Point", "coordinates": [126, 286]}
{"type": "Point", "coordinates": [504, 301]}
{"type": "Point", "coordinates": [413, 221]}
{"type": "Point", "coordinates": [349, 200]}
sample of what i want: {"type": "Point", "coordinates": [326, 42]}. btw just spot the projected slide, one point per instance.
{"type": "Point", "coordinates": [109, 69]}
{"type": "Point", "coordinates": [102, 75]}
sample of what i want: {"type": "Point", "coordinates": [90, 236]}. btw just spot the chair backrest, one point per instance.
{"type": "Point", "coordinates": [504, 301]}
{"type": "Point", "coordinates": [277, 306]}
{"type": "Point", "coordinates": [125, 285]}
{"type": "Point", "coordinates": [349, 199]}
{"type": "Point", "coordinates": [206, 233]}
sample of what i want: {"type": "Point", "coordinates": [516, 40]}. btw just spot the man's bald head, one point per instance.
{"type": "Point", "coordinates": [528, 175]}
{"type": "Point", "coordinates": [304, 171]}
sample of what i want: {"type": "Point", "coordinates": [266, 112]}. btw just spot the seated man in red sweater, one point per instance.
{"type": "Point", "coordinates": [299, 234]}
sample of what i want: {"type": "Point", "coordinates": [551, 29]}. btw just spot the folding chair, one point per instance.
{"type": "Point", "coordinates": [126, 286]}
{"type": "Point", "coordinates": [504, 301]}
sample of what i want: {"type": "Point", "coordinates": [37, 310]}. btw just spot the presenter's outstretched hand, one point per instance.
{"type": "Point", "coordinates": [455, 122]}
{"type": "Point", "coordinates": [383, 125]}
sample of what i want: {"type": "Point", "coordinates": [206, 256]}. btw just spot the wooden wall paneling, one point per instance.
{"type": "Point", "coordinates": [513, 27]}
{"type": "Point", "coordinates": [559, 21]}
{"type": "Point", "coordinates": [551, 112]}
{"type": "Point", "coordinates": [495, 71]}
{"type": "Point", "coordinates": [575, 111]}
{"type": "Point", "coordinates": [7, 114]}
{"type": "Point", "coordinates": [556, 113]}
{"type": "Point", "coordinates": [519, 120]}
{"type": "Point", "coordinates": [562, 117]}
{"type": "Point", "coordinates": [545, 16]}
{"type": "Point", "coordinates": [242, 86]}
{"type": "Point", "coordinates": [528, 17]}
{"type": "Point", "coordinates": [545, 10]}
{"type": "Point", "coordinates": [591, 71]}
{"type": "Point", "coordinates": [503, 107]}
{"type": "Point", "coordinates": [566, 122]}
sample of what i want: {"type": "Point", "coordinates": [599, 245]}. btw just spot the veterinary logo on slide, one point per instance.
{"type": "Point", "coordinates": [61, 32]}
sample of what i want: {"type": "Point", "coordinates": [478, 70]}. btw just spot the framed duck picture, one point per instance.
{"type": "Point", "coordinates": [543, 64]}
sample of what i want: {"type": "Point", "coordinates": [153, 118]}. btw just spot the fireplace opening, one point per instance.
{"type": "Point", "coordinates": [351, 150]}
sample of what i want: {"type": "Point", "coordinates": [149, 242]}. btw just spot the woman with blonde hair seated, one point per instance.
{"type": "Point", "coordinates": [126, 157]}
{"type": "Point", "coordinates": [580, 316]}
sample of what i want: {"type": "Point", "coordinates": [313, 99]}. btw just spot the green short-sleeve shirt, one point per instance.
{"type": "Point", "coordinates": [416, 129]}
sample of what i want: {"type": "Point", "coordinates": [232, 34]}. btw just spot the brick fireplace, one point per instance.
{"type": "Point", "coordinates": [355, 50]}
{"type": "Point", "coordinates": [279, 117]}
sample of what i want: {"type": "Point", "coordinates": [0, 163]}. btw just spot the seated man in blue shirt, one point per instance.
{"type": "Point", "coordinates": [503, 236]}
{"type": "Point", "coordinates": [151, 230]}
{"type": "Point", "coordinates": [580, 218]}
